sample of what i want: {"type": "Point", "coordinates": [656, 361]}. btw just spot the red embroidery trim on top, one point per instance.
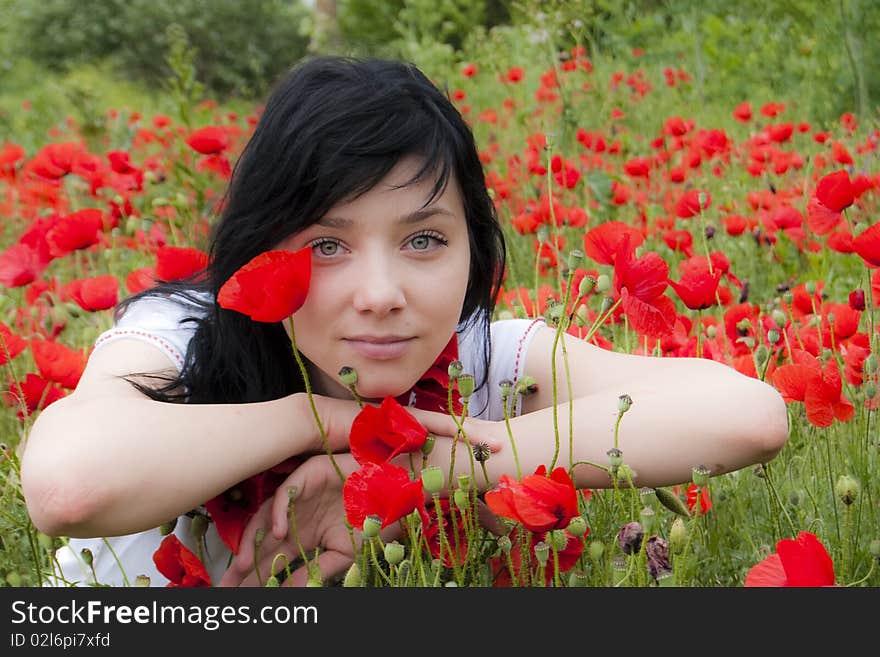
{"type": "Point", "coordinates": [167, 346]}
{"type": "Point", "coordinates": [519, 349]}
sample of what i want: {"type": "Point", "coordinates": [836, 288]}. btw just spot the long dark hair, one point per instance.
{"type": "Point", "coordinates": [331, 130]}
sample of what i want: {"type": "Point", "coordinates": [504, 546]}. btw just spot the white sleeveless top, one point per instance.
{"type": "Point", "coordinates": [159, 321]}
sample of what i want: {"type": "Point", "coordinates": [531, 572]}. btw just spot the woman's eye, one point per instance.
{"type": "Point", "coordinates": [327, 248]}
{"type": "Point", "coordinates": [421, 242]}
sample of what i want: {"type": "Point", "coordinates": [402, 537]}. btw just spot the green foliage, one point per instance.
{"type": "Point", "coordinates": [241, 47]}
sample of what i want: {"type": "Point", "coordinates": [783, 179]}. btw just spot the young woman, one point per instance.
{"type": "Point", "coordinates": [371, 167]}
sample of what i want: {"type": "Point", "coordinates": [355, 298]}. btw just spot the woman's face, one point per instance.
{"type": "Point", "coordinates": [388, 283]}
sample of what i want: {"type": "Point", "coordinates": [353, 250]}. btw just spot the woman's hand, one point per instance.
{"type": "Point", "coordinates": [320, 523]}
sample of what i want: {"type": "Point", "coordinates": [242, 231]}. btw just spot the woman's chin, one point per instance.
{"type": "Point", "coordinates": [379, 391]}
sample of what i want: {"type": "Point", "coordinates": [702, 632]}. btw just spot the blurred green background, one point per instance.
{"type": "Point", "coordinates": [80, 57]}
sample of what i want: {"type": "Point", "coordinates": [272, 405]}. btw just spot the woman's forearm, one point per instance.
{"type": "Point", "coordinates": [109, 466]}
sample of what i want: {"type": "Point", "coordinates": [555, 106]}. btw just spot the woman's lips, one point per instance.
{"type": "Point", "coordinates": [385, 350]}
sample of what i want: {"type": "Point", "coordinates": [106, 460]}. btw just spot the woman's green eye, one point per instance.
{"type": "Point", "coordinates": [421, 242]}
{"type": "Point", "coordinates": [328, 248]}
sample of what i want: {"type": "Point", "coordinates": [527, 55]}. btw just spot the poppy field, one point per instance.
{"type": "Point", "coordinates": [636, 219]}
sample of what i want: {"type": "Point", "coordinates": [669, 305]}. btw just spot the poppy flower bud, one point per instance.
{"type": "Point", "coordinates": [460, 498]}
{"type": "Point", "coordinates": [481, 452]}
{"type": "Point", "coordinates": [577, 526]}
{"type": "Point", "coordinates": [648, 518]}
{"type": "Point", "coordinates": [574, 257]}
{"type": "Point", "coordinates": [553, 314]}
{"type": "Point", "coordinates": [700, 475]}
{"type": "Point", "coordinates": [607, 302]}
{"type": "Point", "coordinates": [86, 555]}
{"type": "Point", "coordinates": [199, 526]}
{"type": "Point", "coordinates": [788, 296]}
{"type": "Point", "coordinates": [773, 336]}
{"type": "Point", "coordinates": [464, 482]}
{"type": "Point", "coordinates": [314, 581]}
{"type": "Point", "coordinates": [870, 364]}
{"type": "Point", "coordinates": [711, 331]}
{"type": "Point", "coordinates": [167, 527]}
{"type": "Point", "coordinates": [615, 457]}
{"type": "Point", "coordinates": [581, 315]}
{"type": "Point", "coordinates": [372, 525]}
{"type": "Point", "coordinates": [678, 534]}
{"type": "Point", "coordinates": [348, 376]}
{"type": "Point", "coordinates": [603, 283]}
{"type": "Point", "coordinates": [762, 353]}
{"type": "Point", "coordinates": [657, 551]}
{"type": "Point", "coordinates": [394, 553]}
{"type": "Point", "coordinates": [432, 479]}
{"type": "Point", "coordinates": [455, 369]}
{"type": "Point", "coordinates": [352, 577]}
{"type": "Point", "coordinates": [629, 538]}
{"type": "Point", "coordinates": [596, 550]}
{"type": "Point", "coordinates": [624, 402]}
{"type": "Point", "coordinates": [810, 287]}
{"type": "Point", "coordinates": [142, 581]}
{"type": "Point", "coordinates": [542, 552]}
{"type": "Point", "coordinates": [504, 544]}
{"type": "Point", "coordinates": [272, 582]}
{"type": "Point", "coordinates": [847, 489]}
{"type": "Point", "coordinates": [587, 285]}
{"type": "Point", "coordinates": [428, 445]}
{"type": "Point", "coordinates": [542, 233]}
{"type": "Point", "coordinates": [870, 389]}
{"type": "Point", "coordinates": [857, 299]}
{"type": "Point", "coordinates": [465, 385]}
{"type": "Point", "coordinates": [672, 502]}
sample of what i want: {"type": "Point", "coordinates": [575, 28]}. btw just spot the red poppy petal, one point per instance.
{"type": "Point", "coordinates": [768, 572]}
{"type": "Point", "coordinates": [806, 561]}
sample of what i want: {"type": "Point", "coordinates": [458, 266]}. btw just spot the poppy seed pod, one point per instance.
{"type": "Point", "coordinates": [460, 498]}
{"type": "Point", "coordinates": [779, 318]}
{"type": "Point", "coordinates": [372, 525]}
{"type": "Point", "coordinates": [603, 283]}
{"type": "Point", "coordinates": [428, 446]}
{"type": "Point", "coordinates": [587, 285]}
{"type": "Point", "coordinates": [542, 552]}
{"type": "Point", "coordinates": [711, 331]}
{"type": "Point", "coordinates": [506, 388]}
{"type": "Point", "coordinates": [272, 582]}
{"type": "Point", "coordinates": [615, 457]}
{"type": "Point", "coordinates": [526, 386]}
{"type": "Point", "coordinates": [870, 364]}
{"type": "Point", "coordinates": [394, 552]}
{"type": "Point", "coordinates": [629, 538]}
{"type": "Point", "coordinates": [773, 336]}
{"type": "Point", "coordinates": [700, 475]}
{"type": "Point", "coordinates": [455, 369]}
{"type": "Point", "coordinates": [465, 384]}
{"type": "Point", "coordinates": [348, 376]}
{"type": "Point", "coordinates": [648, 518]}
{"type": "Point", "coordinates": [558, 539]}
{"type": "Point", "coordinates": [577, 526]}
{"type": "Point", "coordinates": [481, 452]}
{"type": "Point", "coordinates": [574, 257]}
{"type": "Point", "coordinates": [607, 302]}
{"type": "Point", "coordinates": [432, 479]}
{"type": "Point", "coordinates": [504, 544]}
{"type": "Point", "coordinates": [624, 403]}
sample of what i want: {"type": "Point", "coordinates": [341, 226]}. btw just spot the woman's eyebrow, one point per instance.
{"type": "Point", "coordinates": [411, 218]}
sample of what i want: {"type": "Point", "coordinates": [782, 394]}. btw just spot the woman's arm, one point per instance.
{"type": "Point", "coordinates": [107, 460]}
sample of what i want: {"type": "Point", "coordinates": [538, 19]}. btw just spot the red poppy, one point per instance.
{"type": "Point", "coordinates": [797, 562]}
{"type": "Point", "coordinates": [32, 394]}
{"type": "Point", "coordinates": [697, 286]}
{"type": "Point", "coordinates": [58, 362]}
{"type": "Point", "coordinates": [693, 493]}
{"type": "Point", "coordinates": [539, 502]}
{"type": "Point", "coordinates": [11, 344]}
{"type": "Point", "coordinates": [431, 389]}
{"type": "Point", "coordinates": [271, 287]}
{"type": "Point", "coordinates": [208, 140]}
{"type": "Point", "coordinates": [602, 242]}
{"type": "Point", "coordinates": [54, 161]}
{"type": "Point", "coordinates": [640, 283]}
{"type": "Point", "coordinates": [93, 294]}
{"type": "Point", "coordinates": [834, 193]}
{"type": "Point", "coordinates": [381, 489]}
{"type": "Point", "coordinates": [692, 203]}
{"type": "Point", "coordinates": [378, 434]}
{"type": "Point", "coordinates": [818, 387]}
{"type": "Point", "coordinates": [857, 299]}
{"type": "Point", "coordinates": [140, 279]}
{"type": "Point", "coordinates": [456, 542]}
{"type": "Point", "coordinates": [743, 112]}
{"type": "Point", "coordinates": [178, 563]}
{"type": "Point", "coordinates": [176, 262]}
{"type": "Point", "coordinates": [75, 231]}
{"type": "Point", "coordinates": [233, 508]}
{"type": "Point", "coordinates": [867, 245]}
{"type": "Point", "coordinates": [568, 557]}
{"type": "Point", "coordinates": [19, 265]}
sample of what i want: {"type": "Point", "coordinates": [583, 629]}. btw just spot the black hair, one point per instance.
{"type": "Point", "coordinates": [331, 130]}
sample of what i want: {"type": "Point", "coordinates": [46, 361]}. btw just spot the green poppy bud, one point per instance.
{"type": "Point", "coordinates": [432, 479]}
{"type": "Point", "coordinates": [464, 481]}
{"type": "Point", "coordinates": [504, 544]}
{"type": "Point", "coordinates": [773, 336]}
{"type": "Point", "coordinates": [810, 287]}
{"type": "Point", "coordinates": [847, 489]}
{"type": "Point", "coordinates": [678, 534]}
{"type": "Point", "coordinates": [711, 331]}
{"type": "Point", "coordinates": [597, 550]}
{"type": "Point", "coordinates": [779, 318]}
{"type": "Point", "coordinates": [86, 555]}
{"type": "Point", "coordinates": [603, 283]}
{"type": "Point", "coordinates": [272, 582]}
{"type": "Point", "coordinates": [394, 553]}
{"type": "Point", "coordinates": [615, 457]}
{"type": "Point", "coordinates": [574, 257]}
{"type": "Point", "coordinates": [542, 233]}
{"type": "Point", "coordinates": [557, 539]}
{"type": "Point", "coordinates": [460, 498]}
{"type": "Point", "coordinates": [506, 388]}
{"type": "Point", "coordinates": [526, 385]}
{"type": "Point", "coordinates": [648, 518]}
{"type": "Point", "coordinates": [428, 445]}
{"type": "Point", "coordinates": [352, 576]}
{"type": "Point", "coordinates": [578, 579]}
{"type": "Point", "coordinates": [607, 302]}
{"type": "Point", "coordinates": [587, 285]}
{"type": "Point", "coordinates": [870, 364]}
{"type": "Point", "coordinates": [761, 354]}
{"type": "Point", "coordinates": [624, 402]}
{"type": "Point", "coordinates": [672, 502]}
{"type": "Point", "coordinates": [870, 389]}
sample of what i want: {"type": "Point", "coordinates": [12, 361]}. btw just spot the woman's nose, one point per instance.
{"type": "Point", "coordinates": [378, 288]}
